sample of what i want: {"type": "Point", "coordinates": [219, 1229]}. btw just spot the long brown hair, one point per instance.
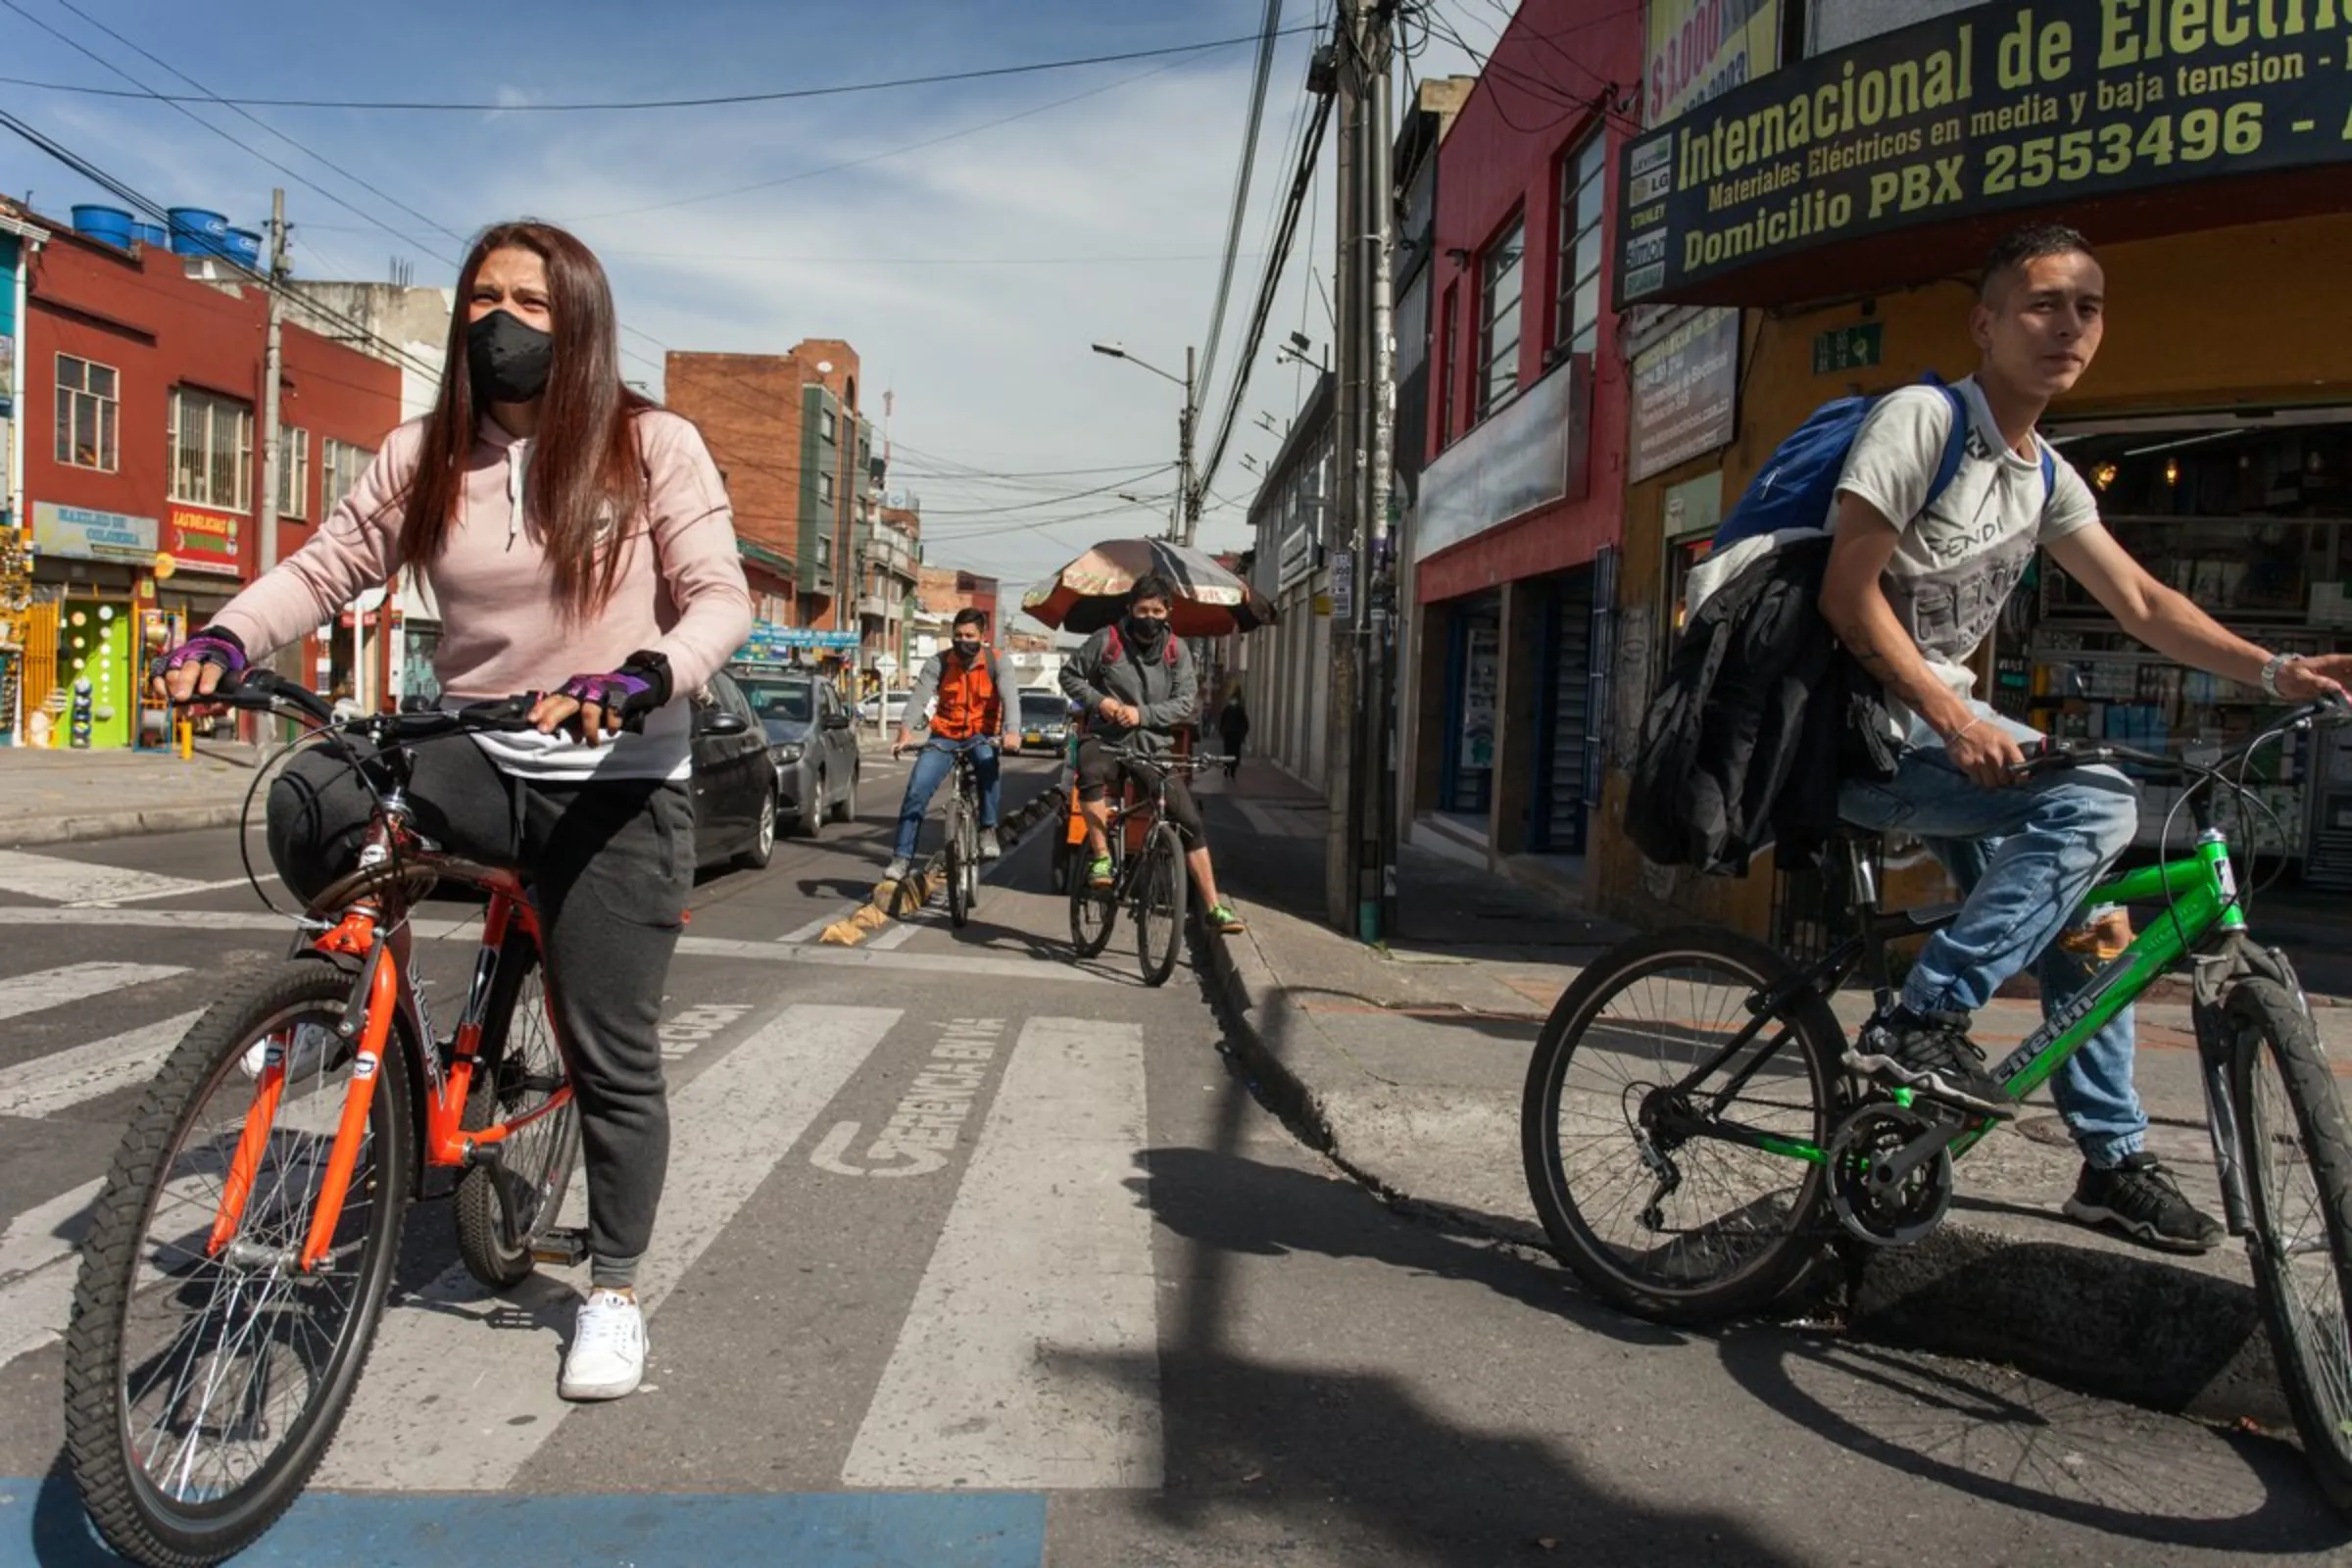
{"type": "Point", "coordinates": [585, 468]}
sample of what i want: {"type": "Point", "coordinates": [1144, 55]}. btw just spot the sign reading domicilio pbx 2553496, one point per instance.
{"type": "Point", "coordinates": [1999, 106]}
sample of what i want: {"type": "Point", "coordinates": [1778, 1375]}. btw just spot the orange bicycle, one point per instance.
{"type": "Point", "coordinates": [240, 1256]}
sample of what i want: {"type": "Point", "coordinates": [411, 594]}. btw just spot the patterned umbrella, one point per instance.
{"type": "Point", "coordinates": [1091, 592]}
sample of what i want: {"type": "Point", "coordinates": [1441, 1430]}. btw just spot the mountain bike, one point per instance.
{"type": "Point", "coordinates": [963, 853]}
{"type": "Point", "coordinates": [1149, 880]}
{"type": "Point", "coordinates": [240, 1255]}
{"type": "Point", "coordinates": [1693, 1141]}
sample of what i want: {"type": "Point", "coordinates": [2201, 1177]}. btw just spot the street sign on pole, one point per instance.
{"type": "Point", "coordinates": [1342, 586]}
{"type": "Point", "coordinates": [885, 665]}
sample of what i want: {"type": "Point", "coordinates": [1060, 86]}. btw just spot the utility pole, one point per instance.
{"type": "Point", "coordinates": [273, 372]}
{"type": "Point", "coordinates": [1354, 876]}
{"type": "Point", "coordinates": [1188, 493]}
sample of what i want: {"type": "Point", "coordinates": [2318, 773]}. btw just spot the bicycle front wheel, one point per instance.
{"type": "Point", "coordinates": [1094, 910]}
{"type": "Point", "coordinates": [201, 1383]}
{"type": "Point", "coordinates": [2298, 1159]}
{"type": "Point", "coordinates": [500, 1215]}
{"type": "Point", "coordinates": [960, 853]}
{"type": "Point", "coordinates": [1159, 904]}
{"type": "Point", "coordinates": [1683, 1203]}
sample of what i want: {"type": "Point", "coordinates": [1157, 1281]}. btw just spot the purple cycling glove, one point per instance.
{"type": "Point", "coordinates": [631, 692]}
{"type": "Point", "coordinates": [216, 646]}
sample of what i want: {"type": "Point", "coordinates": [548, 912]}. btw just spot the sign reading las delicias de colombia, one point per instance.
{"type": "Point", "coordinates": [1997, 107]}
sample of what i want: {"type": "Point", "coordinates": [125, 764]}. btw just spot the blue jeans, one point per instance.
{"type": "Point", "coordinates": [931, 765]}
{"type": "Point", "coordinates": [2023, 855]}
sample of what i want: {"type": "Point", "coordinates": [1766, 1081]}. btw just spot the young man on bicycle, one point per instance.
{"type": "Point", "coordinates": [974, 708]}
{"type": "Point", "coordinates": [1911, 590]}
{"type": "Point", "coordinates": [1138, 685]}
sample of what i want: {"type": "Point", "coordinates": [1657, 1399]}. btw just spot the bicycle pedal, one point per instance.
{"type": "Point", "coordinates": [566, 1245]}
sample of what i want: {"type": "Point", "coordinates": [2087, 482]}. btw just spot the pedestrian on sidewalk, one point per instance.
{"type": "Point", "coordinates": [1915, 582]}
{"type": "Point", "coordinates": [1233, 727]}
{"type": "Point", "coordinates": [579, 543]}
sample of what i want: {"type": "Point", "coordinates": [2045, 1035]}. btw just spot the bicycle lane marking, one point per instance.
{"type": "Point", "coordinates": [461, 1391]}
{"type": "Point", "coordinates": [1030, 1356]}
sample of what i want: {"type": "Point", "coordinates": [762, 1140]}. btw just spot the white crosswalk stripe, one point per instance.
{"type": "Point", "coordinates": [46, 876]}
{"type": "Point", "coordinates": [44, 989]}
{"type": "Point", "coordinates": [50, 1084]}
{"type": "Point", "coordinates": [731, 1124]}
{"type": "Point", "coordinates": [37, 1270]}
{"type": "Point", "coordinates": [1030, 1358]}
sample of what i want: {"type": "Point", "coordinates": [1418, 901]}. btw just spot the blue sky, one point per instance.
{"type": "Point", "coordinates": [970, 273]}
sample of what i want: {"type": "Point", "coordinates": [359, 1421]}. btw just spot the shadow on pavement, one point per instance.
{"type": "Point", "coordinates": [1998, 1435]}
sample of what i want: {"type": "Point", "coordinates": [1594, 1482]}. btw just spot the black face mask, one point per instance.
{"type": "Point", "coordinates": [967, 652]}
{"type": "Point", "coordinates": [509, 358]}
{"type": "Point", "coordinates": [1146, 632]}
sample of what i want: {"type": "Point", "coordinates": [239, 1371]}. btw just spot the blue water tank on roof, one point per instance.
{"type": "Point", "coordinates": [197, 232]}
{"type": "Point", "coordinates": [112, 225]}
{"type": "Point", "coordinates": [155, 235]}
{"type": "Point", "coordinates": [243, 247]}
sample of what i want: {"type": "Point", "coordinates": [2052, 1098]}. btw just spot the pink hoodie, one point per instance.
{"type": "Point", "coordinates": [502, 631]}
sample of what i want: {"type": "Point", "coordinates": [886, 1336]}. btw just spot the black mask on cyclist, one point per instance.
{"type": "Point", "coordinates": [509, 358]}
{"type": "Point", "coordinates": [1146, 632]}
{"type": "Point", "coordinates": [968, 649]}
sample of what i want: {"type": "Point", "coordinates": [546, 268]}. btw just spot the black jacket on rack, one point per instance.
{"type": "Point", "coordinates": [1762, 715]}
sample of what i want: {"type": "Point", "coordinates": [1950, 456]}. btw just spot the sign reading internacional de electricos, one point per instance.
{"type": "Point", "coordinates": [1995, 106]}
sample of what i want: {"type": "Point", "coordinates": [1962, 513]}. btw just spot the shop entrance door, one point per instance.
{"type": "Point", "coordinates": [94, 663]}
{"type": "Point", "coordinates": [1474, 672]}
{"type": "Point", "coordinates": [1572, 678]}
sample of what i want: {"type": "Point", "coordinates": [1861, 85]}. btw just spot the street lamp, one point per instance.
{"type": "Point", "coordinates": [1184, 515]}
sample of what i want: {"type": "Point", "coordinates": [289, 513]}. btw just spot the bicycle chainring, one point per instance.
{"type": "Point", "coordinates": [1882, 1213]}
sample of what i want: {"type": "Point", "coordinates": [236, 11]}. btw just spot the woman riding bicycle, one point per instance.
{"type": "Point", "coordinates": [578, 541]}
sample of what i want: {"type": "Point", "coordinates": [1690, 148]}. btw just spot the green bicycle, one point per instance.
{"type": "Point", "coordinates": [1693, 1141]}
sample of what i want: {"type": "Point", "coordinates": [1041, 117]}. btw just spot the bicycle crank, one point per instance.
{"type": "Point", "coordinates": [1890, 1173]}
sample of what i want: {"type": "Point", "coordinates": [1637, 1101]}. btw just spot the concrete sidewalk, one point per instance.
{"type": "Point", "coordinates": [1408, 1065]}
{"type": "Point", "coordinates": [52, 796]}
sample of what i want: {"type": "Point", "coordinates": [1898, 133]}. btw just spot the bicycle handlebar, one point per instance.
{"type": "Point", "coordinates": [265, 691]}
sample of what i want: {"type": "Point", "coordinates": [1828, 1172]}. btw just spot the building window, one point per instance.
{"type": "Point", "coordinates": [828, 426]}
{"type": "Point", "coordinates": [293, 471]}
{"type": "Point", "coordinates": [1449, 365]}
{"type": "Point", "coordinates": [86, 409]}
{"type": "Point", "coordinates": [1576, 328]}
{"type": "Point", "coordinates": [340, 465]}
{"type": "Point", "coordinates": [824, 549]}
{"type": "Point", "coordinates": [212, 450]}
{"type": "Point", "coordinates": [1499, 270]}
{"type": "Point", "coordinates": [824, 488]}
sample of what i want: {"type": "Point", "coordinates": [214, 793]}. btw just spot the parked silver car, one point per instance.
{"type": "Point", "coordinates": [809, 741]}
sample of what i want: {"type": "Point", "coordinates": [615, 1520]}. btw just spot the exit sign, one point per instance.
{"type": "Point", "coordinates": [1848, 348]}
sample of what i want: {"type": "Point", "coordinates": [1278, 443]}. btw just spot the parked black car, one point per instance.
{"type": "Point", "coordinates": [810, 742]}
{"type": "Point", "coordinates": [734, 782]}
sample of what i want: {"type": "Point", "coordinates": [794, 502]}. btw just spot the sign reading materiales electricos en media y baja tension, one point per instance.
{"type": "Point", "coordinates": [2004, 106]}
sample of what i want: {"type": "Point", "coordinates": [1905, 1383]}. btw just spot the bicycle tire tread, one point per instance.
{"type": "Point", "coordinates": [2326, 1129]}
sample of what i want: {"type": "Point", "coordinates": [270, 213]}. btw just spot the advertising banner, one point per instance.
{"type": "Point", "coordinates": [1701, 49]}
{"type": "Point", "coordinates": [1686, 394]}
{"type": "Point", "coordinates": [202, 541]}
{"type": "Point", "coordinates": [86, 536]}
{"type": "Point", "coordinates": [1997, 107]}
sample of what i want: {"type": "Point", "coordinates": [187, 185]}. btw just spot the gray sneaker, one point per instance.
{"type": "Point", "coordinates": [990, 849]}
{"type": "Point", "coordinates": [896, 870]}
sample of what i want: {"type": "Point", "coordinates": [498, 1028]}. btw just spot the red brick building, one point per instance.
{"type": "Point", "coordinates": [944, 590]}
{"type": "Point", "coordinates": [787, 432]}
{"type": "Point", "coordinates": [140, 389]}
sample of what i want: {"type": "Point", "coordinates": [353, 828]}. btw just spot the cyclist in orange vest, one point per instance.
{"type": "Point", "coordinates": [973, 712]}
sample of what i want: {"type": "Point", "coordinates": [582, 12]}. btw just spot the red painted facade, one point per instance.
{"type": "Point", "coordinates": [138, 313]}
{"type": "Point", "coordinates": [1557, 75]}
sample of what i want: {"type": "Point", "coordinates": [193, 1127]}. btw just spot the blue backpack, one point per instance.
{"type": "Point", "coordinates": [1798, 482]}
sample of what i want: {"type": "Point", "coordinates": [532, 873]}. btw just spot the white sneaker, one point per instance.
{"type": "Point", "coordinates": [607, 1358]}
{"type": "Point", "coordinates": [310, 1045]}
{"type": "Point", "coordinates": [896, 870]}
{"type": "Point", "coordinates": [990, 849]}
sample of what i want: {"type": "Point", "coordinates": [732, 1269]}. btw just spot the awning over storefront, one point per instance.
{"type": "Point", "coordinates": [1901, 158]}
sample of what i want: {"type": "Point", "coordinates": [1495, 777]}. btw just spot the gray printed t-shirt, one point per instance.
{"type": "Point", "coordinates": [1958, 561]}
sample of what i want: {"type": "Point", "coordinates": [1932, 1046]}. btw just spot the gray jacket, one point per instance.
{"type": "Point", "coordinates": [1165, 689]}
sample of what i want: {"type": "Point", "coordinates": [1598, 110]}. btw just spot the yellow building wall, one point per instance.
{"type": "Point", "coordinates": [2252, 316]}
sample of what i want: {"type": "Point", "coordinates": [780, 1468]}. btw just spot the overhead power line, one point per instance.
{"type": "Point", "coordinates": [1240, 191]}
{"type": "Point", "coordinates": [630, 104]}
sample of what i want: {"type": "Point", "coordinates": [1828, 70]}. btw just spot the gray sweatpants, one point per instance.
{"type": "Point", "coordinates": [609, 865]}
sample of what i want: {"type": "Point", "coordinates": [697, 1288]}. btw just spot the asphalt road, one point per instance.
{"type": "Point", "coordinates": [1107, 1312]}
